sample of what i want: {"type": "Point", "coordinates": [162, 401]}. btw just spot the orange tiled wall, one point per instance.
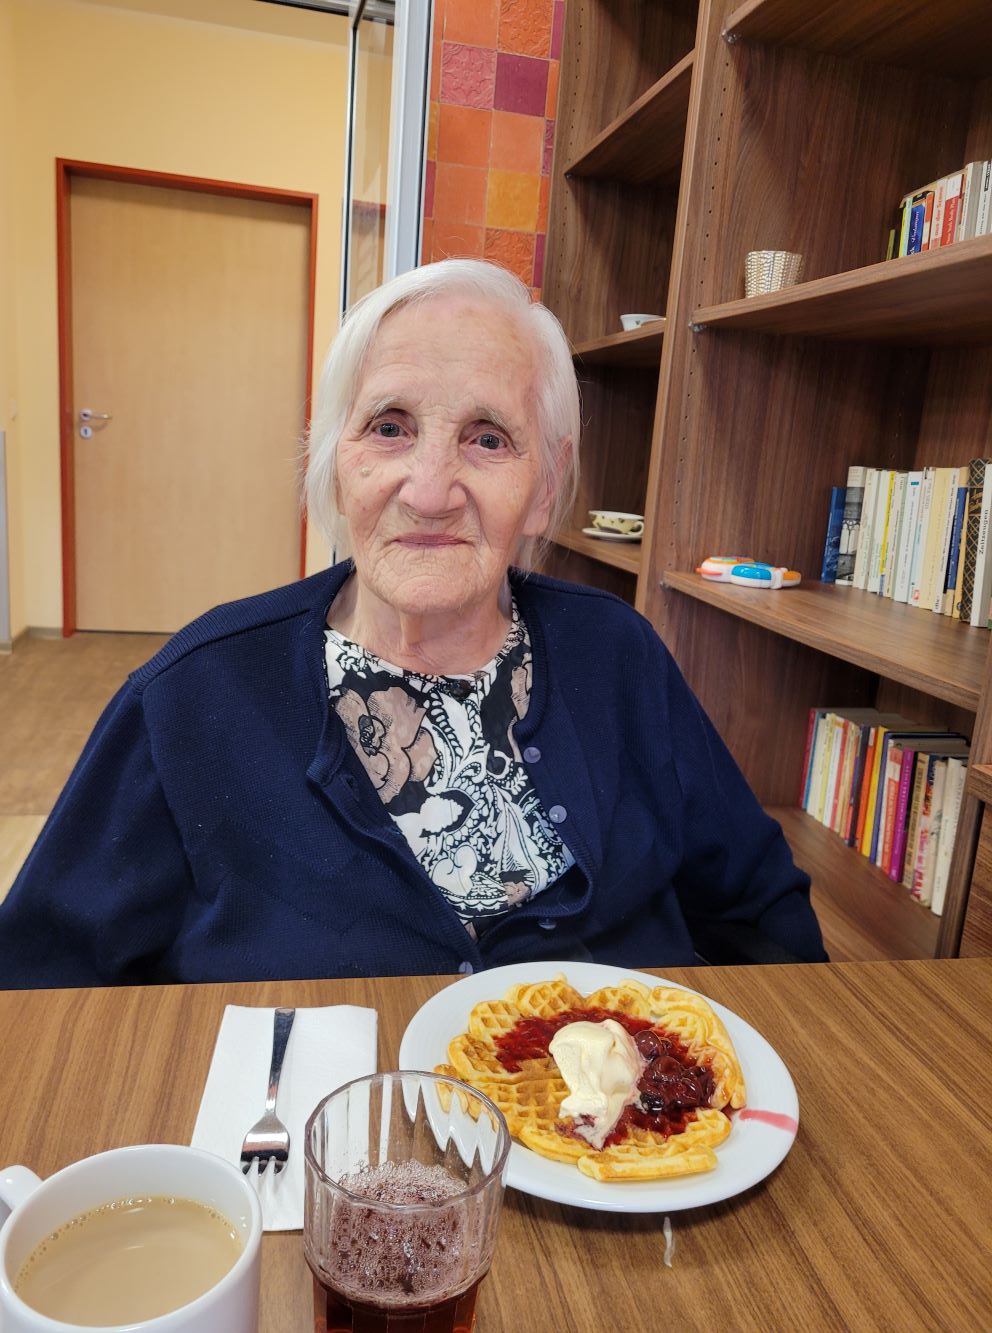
{"type": "Point", "coordinates": [494, 89]}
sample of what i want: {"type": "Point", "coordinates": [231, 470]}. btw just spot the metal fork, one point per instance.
{"type": "Point", "coordinates": [268, 1139]}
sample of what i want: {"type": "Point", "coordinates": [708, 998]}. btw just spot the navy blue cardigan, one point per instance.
{"type": "Point", "coordinates": [218, 825]}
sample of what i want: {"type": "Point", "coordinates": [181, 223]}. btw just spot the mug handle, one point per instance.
{"type": "Point", "coordinates": [17, 1183]}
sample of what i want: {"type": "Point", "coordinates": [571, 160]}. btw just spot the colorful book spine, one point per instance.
{"type": "Point", "coordinates": [954, 549]}
{"type": "Point", "coordinates": [937, 221]}
{"type": "Point", "coordinates": [972, 525]}
{"type": "Point", "coordinates": [907, 772]}
{"type": "Point", "coordinates": [831, 547]}
{"type": "Point", "coordinates": [869, 504]}
{"type": "Point", "coordinates": [970, 196]}
{"type": "Point", "coordinates": [854, 494]}
{"type": "Point", "coordinates": [880, 528]}
{"type": "Point", "coordinates": [870, 826]}
{"type": "Point", "coordinates": [983, 557]}
{"type": "Point", "coordinates": [943, 545]}
{"type": "Point", "coordinates": [923, 837]}
{"type": "Point", "coordinates": [893, 776]}
{"type": "Point", "coordinates": [857, 779]}
{"type": "Point", "coordinates": [952, 208]}
{"type": "Point", "coordinates": [887, 563]}
{"type": "Point", "coordinates": [920, 535]}
{"type": "Point", "coordinates": [911, 517]}
{"type": "Point", "coordinates": [913, 828]}
{"type": "Point", "coordinates": [953, 795]}
{"type": "Point", "coordinates": [983, 220]}
{"type": "Point", "coordinates": [865, 801]}
{"type": "Point", "coordinates": [933, 834]}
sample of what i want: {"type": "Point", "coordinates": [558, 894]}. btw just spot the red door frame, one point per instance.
{"type": "Point", "coordinates": [65, 169]}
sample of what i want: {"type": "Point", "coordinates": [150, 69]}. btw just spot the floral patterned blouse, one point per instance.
{"type": "Point", "coordinates": [441, 753]}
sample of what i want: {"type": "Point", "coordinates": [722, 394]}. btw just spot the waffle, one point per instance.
{"type": "Point", "coordinates": [530, 1097]}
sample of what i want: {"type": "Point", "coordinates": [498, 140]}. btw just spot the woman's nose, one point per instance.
{"type": "Point", "coordinates": [432, 485]}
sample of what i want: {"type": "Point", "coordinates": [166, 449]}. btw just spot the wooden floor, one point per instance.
{"type": "Point", "coordinates": [52, 691]}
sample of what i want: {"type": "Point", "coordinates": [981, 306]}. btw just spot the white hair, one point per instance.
{"type": "Point", "coordinates": [557, 389]}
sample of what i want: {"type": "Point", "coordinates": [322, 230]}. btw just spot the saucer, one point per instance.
{"type": "Point", "coordinates": [613, 536]}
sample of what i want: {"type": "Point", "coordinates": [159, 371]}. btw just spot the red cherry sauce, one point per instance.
{"type": "Point", "coordinates": [670, 1089]}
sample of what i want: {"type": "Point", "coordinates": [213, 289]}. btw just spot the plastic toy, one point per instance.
{"type": "Point", "coordinates": [747, 572]}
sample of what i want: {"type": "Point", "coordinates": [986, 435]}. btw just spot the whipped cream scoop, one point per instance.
{"type": "Point", "coordinates": [601, 1064]}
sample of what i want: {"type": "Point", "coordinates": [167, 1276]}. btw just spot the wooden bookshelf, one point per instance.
{"type": "Point", "coordinates": [939, 298]}
{"type": "Point", "coordinates": [864, 914]}
{"type": "Point", "coordinates": [638, 347]}
{"type": "Point", "coordinates": [950, 36]}
{"type": "Point", "coordinates": [801, 132]}
{"type": "Point", "coordinates": [620, 555]}
{"type": "Point", "coordinates": [980, 782]}
{"type": "Point", "coordinates": [643, 146]}
{"type": "Point", "coordinates": [930, 653]}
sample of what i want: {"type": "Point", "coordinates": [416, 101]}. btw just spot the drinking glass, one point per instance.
{"type": "Point", "coordinates": [404, 1184]}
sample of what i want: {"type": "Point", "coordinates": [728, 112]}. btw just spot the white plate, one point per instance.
{"type": "Point", "coordinates": [751, 1151]}
{"type": "Point", "coordinates": [613, 536]}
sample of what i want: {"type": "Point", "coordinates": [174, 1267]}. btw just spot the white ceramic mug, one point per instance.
{"type": "Point", "coordinates": [613, 520]}
{"type": "Point", "coordinates": [38, 1207]}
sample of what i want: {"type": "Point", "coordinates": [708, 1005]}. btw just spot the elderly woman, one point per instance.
{"type": "Point", "coordinates": [422, 759]}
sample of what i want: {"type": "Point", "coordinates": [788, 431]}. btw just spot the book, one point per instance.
{"type": "Point", "coordinates": [943, 545]}
{"type": "Point", "coordinates": [889, 805]}
{"type": "Point", "coordinates": [970, 194]}
{"type": "Point", "coordinates": [887, 563]}
{"type": "Point", "coordinates": [983, 557]}
{"type": "Point", "coordinates": [983, 220]}
{"type": "Point", "coordinates": [972, 525]}
{"type": "Point", "coordinates": [807, 757]}
{"type": "Point", "coordinates": [907, 775]}
{"type": "Point", "coordinates": [928, 858]}
{"type": "Point", "coordinates": [837, 776]}
{"type": "Point", "coordinates": [905, 209]}
{"type": "Point", "coordinates": [952, 208]}
{"type": "Point", "coordinates": [907, 531]}
{"type": "Point", "coordinates": [831, 547]}
{"type": "Point", "coordinates": [930, 575]}
{"type": "Point", "coordinates": [950, 811]}
{"type": "Point", "coordinates": [920, 535]}
{"type": "Point", "coordinates": [854, 494]}
{"type": "Point", "coordinates": [937, 221]}
{"type": "Point", "coordinates": [830, 770]}
{"type": "Point", "coordinates": [880, 527]}
{"type": "Point", "coordinates": [863, 554]}
{"type": "Point", "coordinates": [951, 579]}
{"type": "Point", "coordinates": [917, 222]}
{"type": "Point", "coordinates": [913, 827]}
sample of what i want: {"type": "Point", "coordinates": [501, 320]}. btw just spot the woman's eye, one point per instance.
{"type": "Point", "coordinates": [389, 430]}
{"type": "Point", "coordinates": [490, 440]}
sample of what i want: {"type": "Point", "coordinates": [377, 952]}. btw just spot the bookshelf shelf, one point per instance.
{"type": "Point", "coordinates": [644, 145]}
{"type": "Point", "coordinates": [621, 555]}
{"type": "Point", "coordinates": [638, 348]}
{"type": "Point", "coordinates": [953, 36]}
{"type": "Point", "coordinates": [864, 914]}
{"type": "Point", "coordinates": [927, 652]}
{"type": "Point", "coordinates": [931, 299]}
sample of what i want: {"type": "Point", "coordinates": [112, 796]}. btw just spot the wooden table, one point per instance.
{"type": "Point", "coordinates": [878, 1218]}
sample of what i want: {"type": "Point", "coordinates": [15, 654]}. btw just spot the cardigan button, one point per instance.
{"type": "Point", "coordinates": [532, 754]}
{"type": "Point", "coordinates": [557, 814]}
{"type": "Point", "coordinates": [547, 924]}
{"type": "Point", "coordinates": [466, 968]}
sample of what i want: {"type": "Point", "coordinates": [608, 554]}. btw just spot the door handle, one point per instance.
{"type": "Point", "coordinates": [90, 421]}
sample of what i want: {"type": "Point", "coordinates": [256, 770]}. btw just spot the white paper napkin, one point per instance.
{"type": "Point", "coordinates": [327, 1047]}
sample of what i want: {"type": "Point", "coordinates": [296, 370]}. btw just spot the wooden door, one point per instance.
{"type": "Point", "coordinates": [190, 321]}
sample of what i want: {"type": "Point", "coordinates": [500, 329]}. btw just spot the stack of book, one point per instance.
{"type": "Point", "coordinates": [954, 208]}
{"type": "Point", "coordinates": [891, 788]}
{"type": "Point", "coordinates": [920, 537]}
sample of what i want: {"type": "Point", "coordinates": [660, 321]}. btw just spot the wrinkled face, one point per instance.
{"type": "Point", "coordinates": [439, 463]}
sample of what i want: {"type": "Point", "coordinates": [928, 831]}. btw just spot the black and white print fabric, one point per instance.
{"type": "Point", "coordinates": [441, 753]}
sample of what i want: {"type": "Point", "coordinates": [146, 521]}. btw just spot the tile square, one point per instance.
{"type": "Point", "coordinates": [474, 22]}
{"type": "Point", "coordinates": [512, 201]}
{"type": "Point", "coordinates": [456, 240]}
{"type": "Point", "coordinates": [468, 75]}
{"type": "Point", "coordinates": [525, 26]}
{"type": "Point", "coordinates": [460, 193]}
{"type": "Point", "coordinates": [433, 116]}
{"type": "Point", "coordinates": [464, 134]}
{"type": "Point", "coordinates": [426, 245]}
{"type": "Point", "coordinates": [512, 250]}
{"type": "Point", "coordinates": [517, 142]}
{"type": "Point", "coordinates": [521, 84]}
{"type": "Point", "coordinates": [551, 101]}
{"type": "Point", "coordinates": [543, 200]}
{"type": "Point", "coordinates": [557, 28]}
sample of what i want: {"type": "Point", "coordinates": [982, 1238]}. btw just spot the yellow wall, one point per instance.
{"type": "Point", "coordinates": [115, 85]}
